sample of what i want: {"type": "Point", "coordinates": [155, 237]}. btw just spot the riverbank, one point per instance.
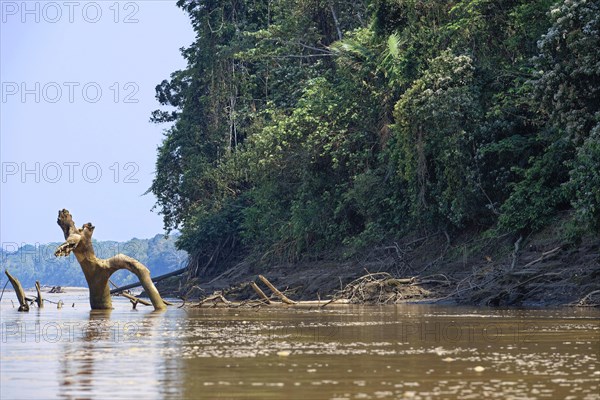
{"type": "Point", "coordinates": [474, 268]}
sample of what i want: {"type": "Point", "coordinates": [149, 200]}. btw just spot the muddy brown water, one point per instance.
{"type": "Point", "coordinates": [349, 352]}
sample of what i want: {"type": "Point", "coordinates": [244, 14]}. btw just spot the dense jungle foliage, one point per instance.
{"type": "Point", "coordinates": [308, 125]}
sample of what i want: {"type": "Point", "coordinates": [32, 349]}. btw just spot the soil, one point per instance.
{"type": "Point", "coordinates": [474, 268]}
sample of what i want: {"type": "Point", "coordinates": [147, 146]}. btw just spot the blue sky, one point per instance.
{"type": "Point", "coordinates": [78, 84]}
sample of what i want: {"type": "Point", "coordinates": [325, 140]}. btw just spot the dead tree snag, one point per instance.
{"type": "Point", "coordinates": [97, 271]}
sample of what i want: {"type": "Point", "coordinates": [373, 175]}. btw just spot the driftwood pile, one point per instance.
{"type": "Point", "coordinates": [383, 288]}
{"type": "Point", "coordinates": [372, 288]}
{"type": "Point", "coordinates": [278, 298]}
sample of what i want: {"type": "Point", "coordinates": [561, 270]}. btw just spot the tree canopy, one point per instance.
{"type": "Point", "coordinates": [301, 126]}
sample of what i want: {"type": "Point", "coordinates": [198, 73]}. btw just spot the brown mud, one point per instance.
{"type": "Point", "coordinates": [474, 268]}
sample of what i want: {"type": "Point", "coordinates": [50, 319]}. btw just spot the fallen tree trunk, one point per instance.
{"type": "Point", "coordinates": [155, 279]}
{"type": "Point", "coordinates": [23, 305]}
{"type": "Point", "coordinates": [97, 271]}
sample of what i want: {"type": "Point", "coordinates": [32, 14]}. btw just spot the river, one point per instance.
{"type": "Point", "coordinates": [336, 352]}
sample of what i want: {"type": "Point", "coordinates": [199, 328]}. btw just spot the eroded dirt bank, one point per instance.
{"type": "Point", "coordinates": [539, 270]}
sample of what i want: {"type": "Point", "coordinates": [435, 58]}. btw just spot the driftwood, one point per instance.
{"type": "Point", "coordinates": [23, 305]}
{"type": "Point", "coordinates": [219, 301]}
{"type": "Point", "coordinates": [39, 300]}
{"type": "Point", "coordinates": [260, 293]}
{"type": "Point", "coordinates": [26, 301]}
{"type": "Point", "coordinates": [383, 288]}
{"type": "Point", "coordinates": [215, 298]}
{"type": "Point", "coordinates": [135, 300]}
{"type": "Point", "coordinates": [361, 290]}
{"type": "Point", "coordinates": [98, 271]}
{"type": "Point", "coordinates": [275, 291]}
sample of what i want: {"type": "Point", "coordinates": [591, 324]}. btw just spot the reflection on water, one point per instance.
{"type": "Point", "coordinates": [410, 351]}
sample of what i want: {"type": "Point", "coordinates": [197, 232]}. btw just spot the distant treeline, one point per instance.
{"type": "Point", "coordinates": [37, 262]}
{"type": "Point", "coordinates": [302, 126]}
